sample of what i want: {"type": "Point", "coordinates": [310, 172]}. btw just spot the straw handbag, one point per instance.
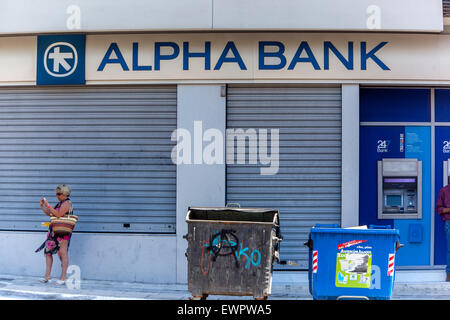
{"type": "Point", "coordinates": [64, 225]}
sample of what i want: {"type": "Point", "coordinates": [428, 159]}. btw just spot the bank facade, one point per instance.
{"type": "Point", "coordinates": [143, 122]}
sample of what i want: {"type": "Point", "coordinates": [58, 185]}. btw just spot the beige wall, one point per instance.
{"type": "Point", "coordinates": [410, 57]}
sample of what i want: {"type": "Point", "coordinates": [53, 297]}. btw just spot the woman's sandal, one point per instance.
{"type": "Point", "coordinates": [60, 282]}
{"type": "Point", "coordinates": [45, 280]}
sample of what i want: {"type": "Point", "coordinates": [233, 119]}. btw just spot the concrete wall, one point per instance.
{"type": "Point", "coordinates": [25, 16]}
{"type": "Point", "coordinates": [198, 184]}
{"type": "Point", "coordinates": [118, 257]}
{"type": "Point", "coordinates": [360, 15]}
{"type": "Point", "coordinates": [350, 156]}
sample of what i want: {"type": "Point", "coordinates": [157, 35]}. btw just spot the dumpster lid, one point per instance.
{"type": "Point", "coordinates": [371, 230]}
{"type": "Point", "coordinates": [254, 215]}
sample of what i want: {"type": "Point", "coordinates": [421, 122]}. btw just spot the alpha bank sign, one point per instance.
{"type": "Point", "coordinates": [61, 59]}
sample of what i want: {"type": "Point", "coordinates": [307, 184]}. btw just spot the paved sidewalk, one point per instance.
{"type": "Point", "coordinates": [29, 288]}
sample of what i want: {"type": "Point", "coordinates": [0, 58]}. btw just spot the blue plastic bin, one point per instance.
{"type": "Point", "coordinates": [352, 263]}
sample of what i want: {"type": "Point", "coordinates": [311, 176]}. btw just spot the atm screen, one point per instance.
{"type": "Point", "coordinates": [394, 200]}
{"type": "Point", "coordinates": [400, 180]}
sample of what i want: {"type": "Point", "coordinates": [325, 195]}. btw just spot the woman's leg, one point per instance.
{"type": "Point", "coordinates": [48, 266]}
{"type": "Point", "coordinates": [63, 255]}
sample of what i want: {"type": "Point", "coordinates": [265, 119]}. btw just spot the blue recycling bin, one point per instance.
{"type": "Point", "coordinates": [352, 263]}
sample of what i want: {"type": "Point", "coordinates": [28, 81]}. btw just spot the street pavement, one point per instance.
{"type": "Point", "coordinates": [29, 288]}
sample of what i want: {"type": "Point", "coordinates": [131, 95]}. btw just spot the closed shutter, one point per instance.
{"type": "Point", "coordinates": [307, 187]}
{"type": "Point", "coordinates": [446, 8]}
{"type": "Point", "coordinates": [111, 145]}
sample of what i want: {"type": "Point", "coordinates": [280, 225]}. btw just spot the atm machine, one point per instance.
{"type": "Point", "coordinates": [446, 172]}
{"type": "Point", "coordinates": [400, 188]}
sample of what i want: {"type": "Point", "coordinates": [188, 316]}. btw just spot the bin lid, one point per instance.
{"type": "Point", "coordinates": [244, 215]}
{"type": "Point", "coordinates": [234, 209]}
{"type": "Point", "coordinates": [335, 230]}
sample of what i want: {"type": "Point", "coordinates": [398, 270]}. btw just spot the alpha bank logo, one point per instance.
{"type": "Point", "coordinates": [61, 60]}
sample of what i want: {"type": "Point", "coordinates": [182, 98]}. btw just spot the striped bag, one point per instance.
{"type": "Point", "coordinates": [64, 225]}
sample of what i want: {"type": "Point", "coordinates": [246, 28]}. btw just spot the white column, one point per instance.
{"type": "Point", "coordinates": [350, 155]}
{"type": "Point", "coordinates": [198, 183]}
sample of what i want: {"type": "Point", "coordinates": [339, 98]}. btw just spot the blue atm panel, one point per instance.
{"type": "Point", "coordinates": [377, 143]}
{"type": "Point", "coordinates": [442, 102]}
{"type": "Point", "coordinates": [395, 105]}
{"type": "Point", "coordinates": [442, 147]}
{"type": "Point", "coordinates": [415, 252]}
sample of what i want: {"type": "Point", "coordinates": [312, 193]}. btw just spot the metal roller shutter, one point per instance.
{"type": "Point", "coordinates": [111, 145]}
{"type": "Point", "coordinates": [307, 187]}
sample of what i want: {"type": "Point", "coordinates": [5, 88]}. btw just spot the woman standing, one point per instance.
{"type": "Point", "coordinates": [54, 244]}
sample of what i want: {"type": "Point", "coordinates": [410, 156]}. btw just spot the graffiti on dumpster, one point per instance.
{"type": "Point", "coordinates": [225, 243]}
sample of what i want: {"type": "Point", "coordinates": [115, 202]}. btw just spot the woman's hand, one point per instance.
{"type": "Point", "coordinates": [45, 206]}
{"type": "Point", "coordinates": [45, 203]}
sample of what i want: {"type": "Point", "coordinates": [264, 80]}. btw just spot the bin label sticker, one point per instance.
{"type": "Point", "coordinates": [350, 243]}
{"type": "Point", "coordinates": [354, 265]}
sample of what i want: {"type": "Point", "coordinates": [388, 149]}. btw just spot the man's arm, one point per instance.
{"type": "Point", "coordinates": [440, 204]}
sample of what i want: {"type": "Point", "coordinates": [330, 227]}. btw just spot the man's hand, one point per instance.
{"type": "Point", "coordinates": [445, 210]}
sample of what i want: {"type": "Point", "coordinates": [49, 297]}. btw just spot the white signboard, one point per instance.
{"type": "Point", "coordinates": [206, 57]}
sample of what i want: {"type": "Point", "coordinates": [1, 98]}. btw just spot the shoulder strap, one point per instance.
{"type": "Point", "coordinates": [71, 206]}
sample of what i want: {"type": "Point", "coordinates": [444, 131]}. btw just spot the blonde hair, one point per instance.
{"type": "Point", "coordinates": [64, 189]}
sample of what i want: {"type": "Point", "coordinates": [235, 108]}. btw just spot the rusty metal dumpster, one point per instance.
{"type": "Point", "coordinates": [231, 251]}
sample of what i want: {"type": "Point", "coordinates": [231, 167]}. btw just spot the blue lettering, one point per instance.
{"type": "Point", "coordinates": [242, 252]}
{"type": "Point", "coordinates": [230, 54]}
{"type": "Point", "coordinates": [236, 57]}
{"type": "Point", "coordinates": [258, 261]}
{"type": "Point", "coordinates": [107, 58]}
{"type": "Point", "coordinates": [371, 55]}
{"type": "Point", "coordinates": [310, 56]}
{"type": "Point", "coordinates": [278, 54]}
{"type": "Point", "coordinates": [326, 52]}
{"type": "Point", "coordinates": [206, 55]}
{"type": "Point", "coordinates": [159, 56]}
{"type": "Point", "coordinates": [136, 65]}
